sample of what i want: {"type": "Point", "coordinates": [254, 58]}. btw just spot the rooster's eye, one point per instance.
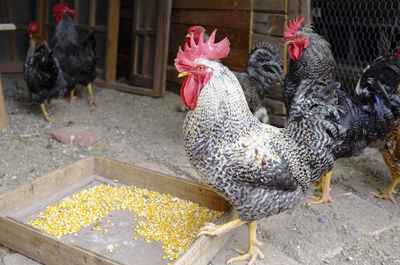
{"type": "Point", "coordinates": [200, 67]}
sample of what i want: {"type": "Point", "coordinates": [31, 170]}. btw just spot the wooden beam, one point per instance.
{"type": "Point", "coordinates": [160, 68]}
{"type": "Point", "coordinates": [76, 9]}
{"type": "Point", "coordinates": [39, 15]}
{"type": "Point", "coordinates": [92, 12]}
{"type": "Point", "coordinates": [12, 34]}
{"type": "Point", "coordinates": [3, 117]}
{"type": "Point", "coordinates": [112, 41]}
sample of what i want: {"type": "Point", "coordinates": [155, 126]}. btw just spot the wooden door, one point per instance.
{"type": "Point", "coordinates": [150, 32]}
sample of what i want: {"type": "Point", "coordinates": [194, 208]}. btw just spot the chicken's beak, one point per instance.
{"type": "Point", "coordinates": [183, 74]}
{"type": "Point", "coordinates": [188, 35]}
{"type": "Point", "coordinates": [288, 42]}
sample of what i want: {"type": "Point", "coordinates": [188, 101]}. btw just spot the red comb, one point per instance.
{"type": "Point", "coordinates": [291, 30]}
{"type": "Point", "coordinates": [196, 29]}
{"type": "Point", "coordinates": [61, 8]}
{"type": "Point", "coordinates": [33, 26]}
{"type": "Point", "coordinates": [205, 50]}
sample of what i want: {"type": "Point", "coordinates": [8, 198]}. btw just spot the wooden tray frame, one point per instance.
{"type": "Point", "coordinates": [47, 249]}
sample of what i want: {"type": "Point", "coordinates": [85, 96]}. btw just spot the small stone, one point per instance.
{"type": "Point", "coordinates": [323, 220]}
{"type": "Point", "coordinates": [350, 258]}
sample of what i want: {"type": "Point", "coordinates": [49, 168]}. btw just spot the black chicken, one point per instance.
{"type": "Point", "coordinates": [311, 58]}
{"type": "Point", "coordinates": [42, 71]}
{"type": "Point", "coordinates": [77, 60]}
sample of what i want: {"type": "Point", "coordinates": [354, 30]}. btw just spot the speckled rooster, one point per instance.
{"type": "Point", "coordinates": [262, 170]}
{"type": "Point", "coordinates": [311, 58]}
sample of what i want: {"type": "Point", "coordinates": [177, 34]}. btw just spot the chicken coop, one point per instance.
{"type": "Point", "coordinates": [138, 40]}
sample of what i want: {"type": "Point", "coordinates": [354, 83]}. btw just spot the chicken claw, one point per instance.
{"type": "Point", "coordinates": [388, 195]}
{"type": "Point", "coordinates": [253, 252]}
{"type": "Point", "coordinates": [91, 98]}
{"type": "Point", "coordinates": [323, 184]}
{"type": "Point", "coordinates": [46, 115]}
{"type": "Point", "coordinates": [71, 97]}
{"type": "Point", "coordinates": [216, 230]}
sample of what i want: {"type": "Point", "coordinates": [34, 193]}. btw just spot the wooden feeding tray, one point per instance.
{"type": "Point", "coordinates": [23, 204]}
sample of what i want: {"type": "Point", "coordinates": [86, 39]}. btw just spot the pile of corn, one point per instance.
{"type": "Point", "coordinates": [169, 220]}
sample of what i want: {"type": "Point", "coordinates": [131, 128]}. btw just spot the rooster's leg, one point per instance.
{"type": "Point", "coordinates": [253, 252]}
{"type": "Point", "coordinates": [91, 98]}
{"type": "Point", "coordinates": [216, 230]}
{"type": "Point", "coordinates": [326, 179]}
{"type": "Point", "coordinates": [46, 115]}
{"type": "Point", "coordinates": [319, 184]}
{"type": "Point", "coordinates": [71, 97]}
{"type": "Point", "coordinates": [389, 192]}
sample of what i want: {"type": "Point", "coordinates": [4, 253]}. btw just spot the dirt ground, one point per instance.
{"type": "Point", "coordinates": [355, 228]}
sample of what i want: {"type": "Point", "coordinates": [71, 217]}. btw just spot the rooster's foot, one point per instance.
{"type": "Point", "coordinates": [45, 114]}
{"type": "Point", "coordinates": [323, 185]}
{"type": "Point", "coordinates": [253, 252]}
{"type": "Point", "coordinates": [91, 98]}
{"type": "Point", "coordinates": [388, 195]}
{"type": "Point", "coordinates": [211, 229]}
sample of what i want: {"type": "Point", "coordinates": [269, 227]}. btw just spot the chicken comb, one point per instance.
{"type": "Point", "coordinates": [33, 26]}
{"type": "Point", "coordinates": [202, 50]}
{"type": "Point", "coordinates": [61, 8]}
{"type": "Point", "coordinates": [196, 28]}
{"type": "Point", "coordinates": [291, 30]}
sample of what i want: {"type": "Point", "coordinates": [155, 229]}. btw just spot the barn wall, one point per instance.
{"type": "Point", "coordinates": [231, 18]}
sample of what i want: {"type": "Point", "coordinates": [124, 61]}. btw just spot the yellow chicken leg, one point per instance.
{"type": "Point", "coordinates": [46, 115]}
{"type": "Point", "coordinates": [216, 230]}
{"type": "Point", "coordinates": [91, 98]}
{"type": "Point", "coordinates": [324, 186]}
{"type": "Point", "coordinates": [253, 252]}
{"type": "Point", "coordinates": [71, 97]}
{"type": "Point", "coordinates": [388, 195]}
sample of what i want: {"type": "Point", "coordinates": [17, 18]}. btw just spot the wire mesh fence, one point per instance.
{"type": "Point", "coordinates": [359, 31]}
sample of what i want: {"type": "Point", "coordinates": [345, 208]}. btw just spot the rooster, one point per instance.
{"type": "Point", "coordinates": [42, 71]}
{"type": "Point", "coordinates": [311, 58]}
{"type": "Point", "coordinates": [77, 60]}
{"type": "Point", "coordinates": [391, 150]}
{"type": "Point", "coordinates": [263, 69]}
{"type": "Point", "coordinates": [260, 169]}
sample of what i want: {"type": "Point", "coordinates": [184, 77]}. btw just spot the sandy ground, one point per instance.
{"type": "Point", "coordinates": [355, 228]}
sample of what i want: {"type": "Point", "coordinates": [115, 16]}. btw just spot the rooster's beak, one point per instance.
{"type": "Point", "coordinates": [183, 74]}
{"type": "Point", "coordinates": [188, 35]}
{"type": "Point", "coordinates": [288, 42]}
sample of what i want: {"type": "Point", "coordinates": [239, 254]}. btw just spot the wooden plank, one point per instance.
{"type": "Point", "coordinates": [270, 6]}
{"type": "Point", "coordinates": [125, 88]}
{"type": "Point", "coordinates": [273, 24]}
{"type": "Point", "coordinates": [161, 56]}
{"type": "Point", "coordinates": [212, 4]}
{"type": "Point", "coordinates": [39, 15]}
{"type": "Point", "coordinates": [9, 26]}
{"type": "Point", "coordinates": [3, 117]}
{"type": "Point", "coordinates": [146, 44]}
{"type": "Point", "coordinates": [92, 13]}
{"type": "Point", "coordinates": [44, 186]}
{"type": "Point", "coordinates": [11, 67]}
{"type": "Point", "coordinates": [45, 248]}
{"type": "Point", "coordinates": [239, 19]}
{"type": "Point", "coordinates": [84, 27]}
{"type": "Point", "coordinates": [110, 59]}
{"type": "Point", "coordinates": [13, 38]}
{"type": "Point", "coordinates": [76, 8]}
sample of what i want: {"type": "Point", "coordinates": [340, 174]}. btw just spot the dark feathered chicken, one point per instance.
{"type": "Point", "coordinates": [263, 69]}
{"type": "Point", "coordinates": [42, 71]}
{"type": "Point", "coordinates": [310, 55]}
{"type": "Point", "coordinates": [77, 60]}
{"type": "Point", "coordinates": [311, 58]}
{"type": "Point", "coordinates": [262, 170]}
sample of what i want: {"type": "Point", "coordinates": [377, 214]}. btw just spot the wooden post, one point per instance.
{"type": "Point", "coordinates": [39, 15]}
{"type": "Point", "coordinates": [110, 67]}
{"type": "Point", "coordinates": [3, 118]}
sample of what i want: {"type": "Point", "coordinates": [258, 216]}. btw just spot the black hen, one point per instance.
{"type": "Point", "coordinates": [42, 71]}
{"type": "Point", "coordinates": [77, 60]}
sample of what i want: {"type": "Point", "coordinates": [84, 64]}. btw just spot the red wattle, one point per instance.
{"type": "Point", "coordinates": [190, 91]}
